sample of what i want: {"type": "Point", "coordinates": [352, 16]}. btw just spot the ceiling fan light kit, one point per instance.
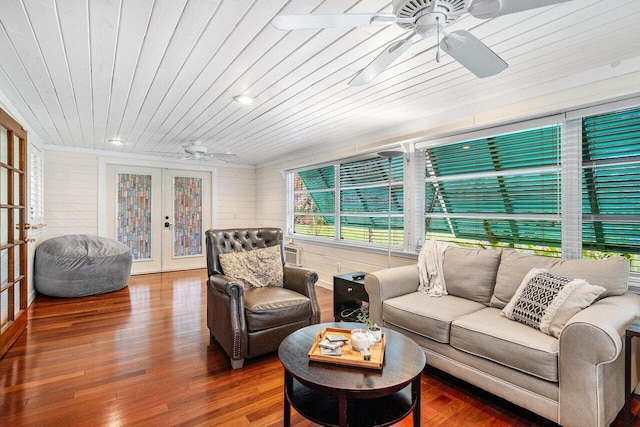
{"type": "Point", "coordinates": [424, 18]}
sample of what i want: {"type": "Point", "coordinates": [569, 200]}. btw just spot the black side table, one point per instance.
{"type": "Point", "coordinates": [348, 296]}
{"type": "Point", "coordinates": [633, 330]}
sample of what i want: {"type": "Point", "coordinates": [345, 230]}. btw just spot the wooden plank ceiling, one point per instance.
{"type": "Point", "coordinates": [162, 73]}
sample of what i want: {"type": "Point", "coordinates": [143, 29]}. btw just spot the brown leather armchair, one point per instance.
{"type": "Point", "coordinates": [248, 323]}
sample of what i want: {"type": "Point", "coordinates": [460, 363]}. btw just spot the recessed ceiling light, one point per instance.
{"type": "Point", "coordinates": [244, 99]}
{"type": "Point", "coordinates": [466, 147]}
{"type": "Point", "coordinates": [117, 141]}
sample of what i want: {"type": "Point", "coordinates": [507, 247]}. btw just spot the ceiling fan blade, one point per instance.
{"type": "Point", "coordinates": [298, 22]}
{"type": "Point", "coordinates": [474, 55]}
{"type": "Point", "coordinates": [382, 61]}
{"type": "Point", "coordinates": [485, 9]}
{"type": "Point", "coordinates": [222, 155]}
{"type": "Point", "coordinates": [164, 153]}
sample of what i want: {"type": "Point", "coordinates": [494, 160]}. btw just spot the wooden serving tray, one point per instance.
{"type": "Point", "coordinates": [348, 357]}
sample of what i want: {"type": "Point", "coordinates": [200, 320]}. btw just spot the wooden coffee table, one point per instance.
{"type": "Point", "coordinates": [338, 395]}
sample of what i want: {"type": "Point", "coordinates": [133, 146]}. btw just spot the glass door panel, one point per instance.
{"type": "Point", "coordinates": [4, 230]}
{"type": "Point", "coordinates": [16, 151]}
{"type": "Point", "coordinates": [16, 223]}
{"type": "Point", "coordinates": [4, 268]}
{"type": "Point", "coordinates": [132, 214]}
{"type": "Point", "coordinates": [4, 191]}
{"type": "Point", "coordinates": [133, 221]}
{"type": "Point", "coordinates": [17, 291]}
{"type": "Point", "coordinates": [187, 212]}
{"type": "Point", "coordinates": [16, 265]}
{"type": "Point", "coordinates": [4, 308]}
{"type": "Point", "coordinates": [4, 146]}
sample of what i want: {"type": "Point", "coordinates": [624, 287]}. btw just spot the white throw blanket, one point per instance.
{"type": "Point", "coordinates": [430, 263]}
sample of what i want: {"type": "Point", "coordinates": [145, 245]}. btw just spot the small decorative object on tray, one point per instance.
{"type": "Point", "coordinates": [335, 337]}
{"type": "Point", "coordinates": [341, 351]}
{"type": "Point", "coordinates": [328, 348]}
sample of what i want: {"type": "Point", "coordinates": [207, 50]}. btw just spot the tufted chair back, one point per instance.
{"type": "Point", "coordinates": [238, 240]}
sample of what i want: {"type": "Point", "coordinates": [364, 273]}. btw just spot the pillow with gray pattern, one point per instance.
{"type": "Point", "coordinates": [254, 269]}
{"type": "Point", "coordinates": [547, 302]}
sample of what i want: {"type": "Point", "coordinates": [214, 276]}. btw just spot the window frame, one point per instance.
{"type": "Point", "coordinates": [337, 211]}
{"type": "Point", "coordinates": [570, 124]}
{"type": "Point", "coordinates": [503, 177]}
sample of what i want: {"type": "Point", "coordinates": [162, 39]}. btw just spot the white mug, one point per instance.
{"type": "Point", "coordinates": [361, 339]}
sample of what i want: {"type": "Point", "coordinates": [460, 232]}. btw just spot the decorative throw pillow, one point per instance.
{"type": "Point", "coordinates": [547, 302]}
{"type": "Point", "coordinates": [254, 269]}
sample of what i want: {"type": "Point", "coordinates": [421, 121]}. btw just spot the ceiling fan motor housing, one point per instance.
{"type": "Point", "coordinates": [195, 149]}
{"type": "Point", "coordinates": [417, 8]}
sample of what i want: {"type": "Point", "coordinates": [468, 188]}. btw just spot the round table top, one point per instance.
{"type": "Point", "coordinates": [403, 362]}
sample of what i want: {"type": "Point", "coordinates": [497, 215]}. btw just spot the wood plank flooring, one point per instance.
{"type": "Point", "coordinates": [142, 356]}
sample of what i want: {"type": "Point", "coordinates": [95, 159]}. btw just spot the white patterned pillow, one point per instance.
{"type": "Point", "coordinates": [254, 269]}
{"type": "Point", "coordinates": [547, 302]}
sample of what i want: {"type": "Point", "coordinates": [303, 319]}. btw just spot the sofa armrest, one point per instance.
{"type": "Point", "coordinates": [392, 282]}
{"type": "Point", "coordinates": [591, 362]}
{"type": "Point", "coordinates": [303, 281]}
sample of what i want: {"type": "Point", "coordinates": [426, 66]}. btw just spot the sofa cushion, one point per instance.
{"type": "Point", "coordinates": [255, 268]}
{"type": "Point", "coordinates": [610, 273]}
{"type": "Point", "coordinates": [487, 334]}
{"type": "Point", "coordinates": [471, 273]}
{"type": "Point", "coordinates": [428, 316]}
{"type": "Point", "coordinates": [513, 267]}
{"type": "Point", "coordinates": [268, 307]}
{"type": "Point", "coordinates": [547, 302]}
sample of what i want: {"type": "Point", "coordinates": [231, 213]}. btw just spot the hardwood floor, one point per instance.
{"type": "Point", "coordinates": [142, 356]}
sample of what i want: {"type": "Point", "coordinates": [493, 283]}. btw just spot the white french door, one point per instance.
{"type": "Point", "coordinates": [161, 214]}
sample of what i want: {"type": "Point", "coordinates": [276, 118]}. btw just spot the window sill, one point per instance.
{"type": "Point", "coordinates": [374, 249]}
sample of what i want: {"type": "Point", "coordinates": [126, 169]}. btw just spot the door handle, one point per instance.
{"type": "Point", "coordinates": [167, 224]}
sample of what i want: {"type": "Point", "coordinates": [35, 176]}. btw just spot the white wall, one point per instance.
{"type": "Point", "coordinates": [71, 194]}
{"type": "Point", "coordinates": [235, 201]}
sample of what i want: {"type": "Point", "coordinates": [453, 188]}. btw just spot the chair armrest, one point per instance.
{"type": "Point", "coordinates": [225, 315]}
{"type": "Point", "coordinates": [226, 285]}
{"type": "Point", "coordinates": [392, 282]}
{"type": "Point", "coordinates": [303, 281]}
{"type": "Point", "coordinates": [589, 345]}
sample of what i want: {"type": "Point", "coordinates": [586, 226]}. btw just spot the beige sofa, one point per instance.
{"type": "Point", "coordinates": [574, 380]}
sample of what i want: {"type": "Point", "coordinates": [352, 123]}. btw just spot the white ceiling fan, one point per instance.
{"type": "Point", "coordinates": [424, 18]}
{"type": "Point", "coordinates": [196, 151]}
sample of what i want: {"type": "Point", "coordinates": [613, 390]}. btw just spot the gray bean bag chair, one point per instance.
{"type": "Point", "coordinates": [80, 265]}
